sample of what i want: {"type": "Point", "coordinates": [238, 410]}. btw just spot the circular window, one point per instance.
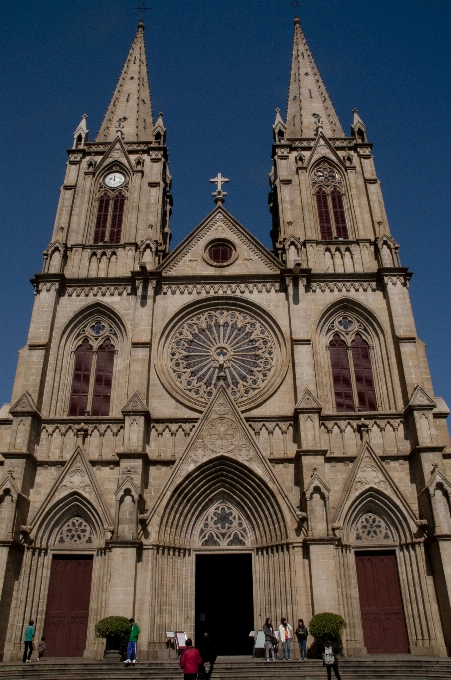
{"type": "Point", "coordinates": [229, 339]}
{"type": "Point", "coordinates": [220, 253]}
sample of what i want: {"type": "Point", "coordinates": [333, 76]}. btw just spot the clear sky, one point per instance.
{"type": "Point", "coordinates": [218, 69]}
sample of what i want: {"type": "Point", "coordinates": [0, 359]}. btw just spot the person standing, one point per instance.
{"type": "Point", "coordinates": [132, 647]}
{"type": "Point", "coordinates": [190, 661]}
{"type": "Point", "coordinates": [208, 653]}
{"type": "Point", "coordinates": [302, 635]}
{"type": "Point", "coordinates": [285, 636]}
{"type": "Point", "coordinates": [330, 656]}
{"type": "Point", "coordinates": [28, 642]}
{"type": "Point", "coordinates": [270, 639]}
{"type": "Point", "coordinates": [41, 648]}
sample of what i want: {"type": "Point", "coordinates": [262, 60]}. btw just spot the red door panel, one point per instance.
{"type": "Point", "coordinates": [384, 626]}
{"type": "Point", "coordinates": [66, 620]}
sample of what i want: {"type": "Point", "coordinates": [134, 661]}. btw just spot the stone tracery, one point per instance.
{"type": "Point", "coordinates": [222, 342]}
{"type": "Point", "coordinates": [223, 526]}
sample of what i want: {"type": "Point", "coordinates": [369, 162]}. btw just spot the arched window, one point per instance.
{"type": "Point", "coordinates": [103, 379]}
{"type": "Point", "coordinates": [327, 185]}
{"type": "Point", "coordinates": [366, 395]}
{"type": "Point", "coordinates": [325, 224]}
{"type": "Point", "coordinates": [93, 374]}
{"type": "Point", "coordinates": [81, 379]}
{"type": "Point", "coordinates": [110, 216]}
{"type": "Point", "coordinates": [341, 374]}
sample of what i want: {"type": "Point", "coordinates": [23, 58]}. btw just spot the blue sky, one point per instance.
{"type": "Point", "coordinates": [217, 70]}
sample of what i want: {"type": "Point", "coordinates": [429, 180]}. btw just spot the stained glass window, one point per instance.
{"type": "Point", "coordinates": [341, 374]}
{"type": "Point", "coordinates": [81, 378]}
{"type": "Point", "coordinates": [223, 526]}
{"type": "Point", "coordinates": [221, 253]}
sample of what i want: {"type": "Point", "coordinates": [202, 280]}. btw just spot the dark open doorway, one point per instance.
{"type": "Point", "coordinates": [224, 601]}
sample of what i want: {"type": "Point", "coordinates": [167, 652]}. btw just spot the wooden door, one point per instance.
{"type": "Point", "coordinates": [384, 626]}
{"type": "Point", "coordinates": [66, 620]}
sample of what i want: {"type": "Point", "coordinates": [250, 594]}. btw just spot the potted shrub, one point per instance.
{"type": "Point", "coordinates": [322, 624]}
{"type": "Point", "coordinates": [115, 629]}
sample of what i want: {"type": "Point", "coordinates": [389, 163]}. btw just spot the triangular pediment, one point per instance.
{"type": "Point", "coordinates": [135, 405]}
{"type": "Point", "coordinates": [386, 238]}
{"type": "Point", "coordinates": [116, 153]}
{"type": "Point", "coordinates": [10, 484]}
{"type": "Point", "coordinates": [24, 406]}
{"type": "Point", "coordinates": [421, 399]}
{"type": "Point", "coordinates": [438, 477]}
{"type": "Point", "coordinates": [222, 431]}
{"type": "Point", "coordinates": [127, 483]}
{"type": "Point", "coordinates": [368, 472]}
{"type": "Point", "coordinates": [191, 255]}
{"type": "Point", "coordinates": [308, 402]}
{"type": "Point", "coordinates": [77, 476]}
{"type": "Point", "coordinates": [322, 148]}
{"type": "Point", "coordinates": [316, 481]}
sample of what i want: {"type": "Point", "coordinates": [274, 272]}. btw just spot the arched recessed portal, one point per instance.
{"type": "Point", "coordinates": [223, 537]}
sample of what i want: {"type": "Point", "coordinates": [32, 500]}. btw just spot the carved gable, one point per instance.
{"type": "Point", "coordinates": [191, 257]}
{"type": "Point", "coordinates": [368, 472]}
{"type": "Point", "coordinates": [420, 399]}
{"type": "Point", "coordinates": [76, 476]}
{"type": "Point", "coordinates": [116, 152]}
{"type": "Point", "coordinates": [222, 431]}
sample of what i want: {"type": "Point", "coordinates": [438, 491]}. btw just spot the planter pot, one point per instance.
{"type": "Point", "coordinates": [113, 650]}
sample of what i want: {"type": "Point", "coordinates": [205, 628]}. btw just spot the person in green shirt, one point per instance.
{"type": "Point", "coordinates": [132, 647]}
{"type": "Point", "coordinates": [28, 642]}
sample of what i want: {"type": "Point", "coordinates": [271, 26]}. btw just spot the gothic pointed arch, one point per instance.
{"type": "Point", "coordinates": [355, 359]}
{"type": "Point", "coordinates": [370, 489]}
{"type": "Point", "coordinates": [76, 493]}
{"type": "Point", "coordinates": [90, 356]}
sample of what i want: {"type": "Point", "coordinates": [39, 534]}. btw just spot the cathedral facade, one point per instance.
{"type": "Point", "coordinates": [222, 421]}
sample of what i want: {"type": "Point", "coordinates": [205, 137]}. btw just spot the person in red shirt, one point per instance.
{"type": "Point", "coordinates": [190, 661]}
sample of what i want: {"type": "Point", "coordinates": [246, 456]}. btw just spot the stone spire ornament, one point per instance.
{"type": "Point", "coordinates": [129, 114]}
{"type": "Point", "coordinates": [219, 194]}
{"type": "Point", "coordinates": [308, 100]}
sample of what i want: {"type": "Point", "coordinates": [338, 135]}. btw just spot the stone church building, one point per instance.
{"type": "Point", "coordinates": [206, 436]}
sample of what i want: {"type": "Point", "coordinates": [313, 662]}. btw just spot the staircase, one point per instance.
{"type": "Point", "coordinates": [234, 668]}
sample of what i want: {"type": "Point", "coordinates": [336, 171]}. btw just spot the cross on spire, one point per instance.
{"type": "Point", "coordinates": [219, 194]}
{"type": "Point", "coordinates": [143, 8]}
{"type": "Point", "coordinates": [295, 4]}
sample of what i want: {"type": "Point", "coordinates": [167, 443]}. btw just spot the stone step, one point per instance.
{"type": "Point", "coordinates": [350, 669]}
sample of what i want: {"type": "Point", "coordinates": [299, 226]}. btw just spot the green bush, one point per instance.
{"type": "Point", "coordinates": [326, 622]}
{"type": "Point", "coordinates": [113, 627]}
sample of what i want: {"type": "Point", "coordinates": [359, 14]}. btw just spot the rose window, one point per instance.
{"type": "Point", "coordinates": [223, 526]}
{"type": "Point", "coordinates": [371, 528]}
{"type": "Point", "coordinates": [75, 532]}
{"type": "Point", "coordinates": [224, 344]}
{"type": "Point", "coordinates": [325, 175]}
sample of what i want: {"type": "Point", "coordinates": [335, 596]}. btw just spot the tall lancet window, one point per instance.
{"type": "Point", "coordinates": [341, 374]}
{"type": "Point", "coordinates": [110, 218]}
{"type": "Point", "coordinates": [366, 394]}
{"type": "Point", "coordinates": [92, 378]}
{"type": "Point", "coordinates": [328, 188]}
{"type": "Point", "coordinates": [352, 375]}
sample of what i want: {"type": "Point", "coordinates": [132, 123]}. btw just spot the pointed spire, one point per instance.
{"type": "Point", "coordinates": [129, 114]}
{"type": "Point", "coordinates": [81, 134]}
{"type": "Point", "coordinates": [307, 95]}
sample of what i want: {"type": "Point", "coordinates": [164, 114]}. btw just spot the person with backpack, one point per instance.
{"type": "Point", "coordinates": [208, 653]}
{"type": "Point", "coordinates": [302, 635]}
{"type": "Point", "coordinates": [285, 636]}
{"type": "Point", "coordinates": [28, 642]}
{"type": "Point", "coordinates": [190, 661]}
{"type": "Point", "coordinates": [330, 656]}
{"type": "Point", "coordinates": [132, 647]}
{"type": "Point", "coordinates": [270, 639]}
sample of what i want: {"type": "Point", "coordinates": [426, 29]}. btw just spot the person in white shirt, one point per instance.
{"type": "Point", "coordinates": [285, 636]}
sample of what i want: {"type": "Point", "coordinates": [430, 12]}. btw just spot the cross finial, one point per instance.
{"type": "Point", "coordinates": [219, 194]}
{"type": "Point", "coordinates": [143, 8]}
{"type": "Point", "coordinates": [295, 4]}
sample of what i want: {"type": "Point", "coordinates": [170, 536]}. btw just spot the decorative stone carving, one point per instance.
{"type": "Point", "coordinates": [75, 532]}
{"type": "Point", "coordinates": [369, 475]}
{"type": "Point", "coordinates": [76, 479]}
{"type": "Point", "coordinates": [233, 340]}
{"type": "Point", "coordinates": [371, 529]}
{"type": "Point", "coordinates": [223, 526]}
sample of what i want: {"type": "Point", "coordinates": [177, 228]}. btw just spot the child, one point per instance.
{"type": "Point", "coordinates": [41, 648]}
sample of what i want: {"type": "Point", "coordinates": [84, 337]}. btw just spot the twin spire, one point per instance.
{"type": "Point", "coordinates": [130, 111]}
{"type": "Point", "coordinates": [309, 106]}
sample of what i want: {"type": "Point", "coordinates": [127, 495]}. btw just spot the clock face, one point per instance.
{"type": "Point", "coordinates": [114, 179]}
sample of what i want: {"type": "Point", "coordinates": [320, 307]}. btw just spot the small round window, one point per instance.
{"type": "Point", "coordinates": [220, 253]}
